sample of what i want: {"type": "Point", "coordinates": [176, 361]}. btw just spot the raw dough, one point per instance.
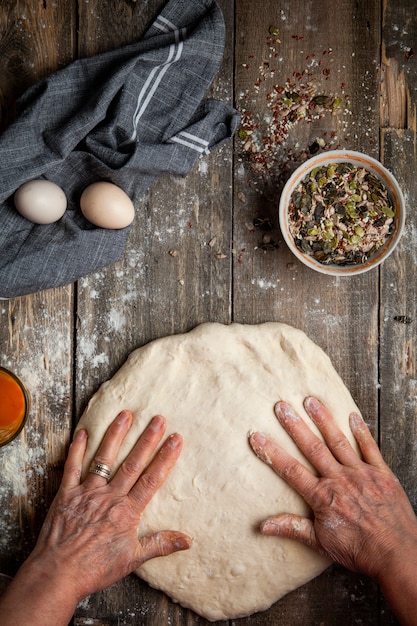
{"type": "Point", "coordinates": [214, 385]}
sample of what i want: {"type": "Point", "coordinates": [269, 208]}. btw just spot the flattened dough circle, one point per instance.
{"type": "Point", "coordinates": [214, 385]}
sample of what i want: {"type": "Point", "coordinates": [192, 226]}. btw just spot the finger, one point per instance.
{"type": "Point", "coordinates": [286, 466]}
{"type": "Point", "coordinates": [161, 544]}
{"type": "Point", "coordinates": [367, 444]}
{"type": "Point", "coordinates": [109, 447]}
{"type": "Point", "coordinates": [310, 445]}
{"type": "Point", "coordinates": [336, 440]}
{"type": "Point", "coordinates": [291, 527]}
{"type": "Point", "coordinates": [156, 472]}
{"type": "Point", "coordinates": [137, 460]}
{"type": "Point", "coordinates": [73, 465]}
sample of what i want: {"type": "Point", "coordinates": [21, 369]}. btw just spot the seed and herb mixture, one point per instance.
{"type": "Point", "coordinates": [340, 214]}
{"type": "Point", "coordinates": [269, 148]}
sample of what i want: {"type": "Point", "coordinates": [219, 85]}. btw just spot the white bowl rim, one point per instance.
{"type": "Point", "coordinates": [340, 156]}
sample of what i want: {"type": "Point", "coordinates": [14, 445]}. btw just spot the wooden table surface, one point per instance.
{"type": "Point", "coordinates": [195, 255]}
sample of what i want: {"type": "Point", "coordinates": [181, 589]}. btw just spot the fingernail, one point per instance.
{"type": "Point", "coordinates": [356, 420]}
{"type": "Point", "coordinates": [80, 435]}
{"type": "Point", "coordinates": [258, 438]}
{"type": "Point", "coordinates": [174, 441]}
{"type": "Point", "coordinates": [123, 417]}
{"type": "Point", "coordinates": [268, 526]}
{"type": "Point", "coordinates": [157, 422]}
{"type": "Point", "coordinates": [312, 403]}
{"type": "Point", "coordinates": [183, 543]}
{"type": "Point", "coordinates": [285, 412]}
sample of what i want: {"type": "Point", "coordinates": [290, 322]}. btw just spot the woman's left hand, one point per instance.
{"type": "Point", "coordinates": [92, 524]}
{"type": "Point", "coordinates": [89, 539]}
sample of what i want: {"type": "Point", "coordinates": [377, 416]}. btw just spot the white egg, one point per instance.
{"type": "Point", "coordinates": [40, 201]}
{"type": "Point", "coordinates": [107, 206]}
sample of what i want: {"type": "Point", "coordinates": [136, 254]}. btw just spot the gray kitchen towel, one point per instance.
{"type": "Point", "coordinates": [124, 116]}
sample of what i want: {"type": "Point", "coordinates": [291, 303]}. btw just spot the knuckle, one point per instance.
{"type": "Point", "coordinates": [340, 444]}
{"type": "Point", "coordinates": [317, 449]}
{"type": "Point", "coordinates": [292, 470]}
{"type": "Point", "coordinates": [130, 468]}
{"type": "Point", "coordinates": [311, 538]}
{"type": "Point", "coordinates": [162, 546]}
{"type": "Point", "coordinates": [297, 527]}
{"type": "Point", "coordinates": [73, 470]}
{"type": "Point", "coordinates": [150, 482]}
{"type": "Point", "coordinates": [101, 458]}
{"type": "Point", "coordinates": [323, 496]}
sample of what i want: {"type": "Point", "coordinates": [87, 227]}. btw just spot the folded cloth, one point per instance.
{"type": "Point", "coordinates": [124, 116]}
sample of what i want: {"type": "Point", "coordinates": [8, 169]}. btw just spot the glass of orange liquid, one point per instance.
{"type": "Point", "coordinates": [14, 406]}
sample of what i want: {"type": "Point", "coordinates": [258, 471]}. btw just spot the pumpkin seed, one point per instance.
{"type": "Point", "coordinates": [337, 103]}
{"type": "Point", "coordinates": [403, 319]}
{"type": "Point", "coordinates": [321, 100]}
{"type": "Point", "coordinates": [388, 211]}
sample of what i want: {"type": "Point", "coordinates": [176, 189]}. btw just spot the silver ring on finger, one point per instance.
{"type": "Point", "coordinates": [101, 469]}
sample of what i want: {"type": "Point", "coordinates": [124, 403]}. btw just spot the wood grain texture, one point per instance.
{"type": "Point", "coordinates": [398, 370]}
{"type": "Point", "coordinates": [270, 284]}
{"type": "Point", "coordinates": [36, 343]}
{"type": "Point", "coordinates": [36, 332]}
{"type": "Point", "coordinates": [35, 40]}
{"type": "Point", "coordinates": [195, 255]}
{"type": "Point", "coordinates": [169, 280]}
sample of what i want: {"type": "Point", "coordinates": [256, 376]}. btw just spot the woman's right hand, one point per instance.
{"type": "Point", "coordinates": [362, 517]}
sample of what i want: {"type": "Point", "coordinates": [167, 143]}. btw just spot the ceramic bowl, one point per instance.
{"type": "Point", "coordinates": [356, 159]}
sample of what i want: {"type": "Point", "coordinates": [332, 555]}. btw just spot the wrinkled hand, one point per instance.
{"type": "Point", "coordinates": [361, 513]}
{"type": "Point", "coordinates": [91, 528]}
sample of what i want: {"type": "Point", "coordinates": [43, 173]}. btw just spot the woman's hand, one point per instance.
{"type": "Point", "coordinates": [361, 513]}
{"type": "Point", "coordinates": [89, 539]}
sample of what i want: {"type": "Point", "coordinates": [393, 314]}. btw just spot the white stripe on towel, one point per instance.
{"type": "Point", "coordinates": [155, 77]}
{"type": "Point", "coordinates": [178, 139]}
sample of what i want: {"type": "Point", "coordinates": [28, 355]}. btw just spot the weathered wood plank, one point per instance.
{"type": "Point", "coordinates": [35, 40]}
{"type": "Point", "coordinates": [35, 342]}
{"type": "Point", "coordinates": [398, 85]}
{"type": "Point", "coordinates": [398, 379]}
{"type": "Point", "coordinates": [107, 25]}
{"type": "Point", "coordinates": [35, 331]}
{"type": "Point", "coordinates": [398, 375]}
{"type": "Point", "coordinates": [272, 284]}
{"type": "Point", "coordinates": [336, 54]}
{"type": "Point", "coordinates": [169, 280]}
